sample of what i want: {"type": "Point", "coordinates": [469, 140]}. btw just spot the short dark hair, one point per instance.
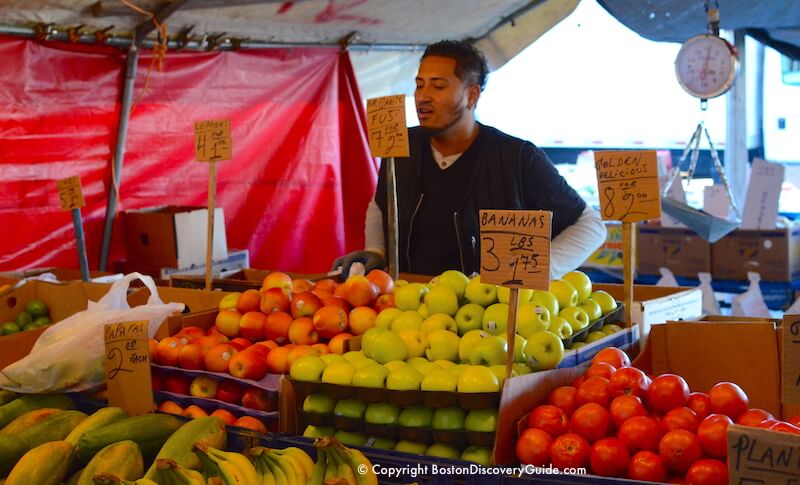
{"type": "Point", "coordinates": [471, 66]}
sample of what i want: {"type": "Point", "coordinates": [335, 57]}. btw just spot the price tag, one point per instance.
{"type": "Point", "coordinates": [627, 183]}
{"type": "Point", "coordinates": [790, 368]}
{"type": "Point", "coordinates": [212, 140]}
{"type": "Point", "coordinates": [127, 364]}
{"type": "Point", "coordinates": [70, 193]}
{"type": "Point", "coordinates": [515, 248]}
{"type": "Point", "coordinates": [386, 126]}
{"type": "Point", "coordinates": [763, 192]}
{"type": "Point", "coordinates": [762, 456]}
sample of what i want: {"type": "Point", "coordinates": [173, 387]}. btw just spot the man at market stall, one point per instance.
{"type": "Point", "coordinates": [458, 166]}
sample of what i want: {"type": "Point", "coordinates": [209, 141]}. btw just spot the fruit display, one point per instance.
{"type": "Point", "coordinates": [230, 418]}
{"type": "Point", "coordinates": [35, 315]}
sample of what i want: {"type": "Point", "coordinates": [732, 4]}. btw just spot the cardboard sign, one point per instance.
{"type": "Point", "coordinates": [127, 363]}
{"type": "Point", "coordinates": [386, 126]}
{"type": "Point", "coordinates": [762, 456]}
{"type": "Point", "coordinates": [70, 194]}
{"type": "Point", "coordinates": [515, 248]}
{"type": "Point", "coordinates": [212, 140]}
{"type": "Point", "coordinates": [716, 201]}
{"type": "Point", "coordinates": [627, 183]}
{"type": "Point", "coordinates": [763, 192]}
{"type": "Point", "coordinates": [790, 367]}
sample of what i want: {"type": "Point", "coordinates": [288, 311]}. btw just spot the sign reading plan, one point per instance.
{"type": "Point", "coordinates": [386, 126]}
{"type": "Point", "coordinates": [627, 183]}
{"type": "Point", "coordinates": [515, 248]}
{"type": "Point", "coordinates": [762, 456]}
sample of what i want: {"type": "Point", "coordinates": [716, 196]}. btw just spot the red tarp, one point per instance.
{"type": "Point", "coordinates": [294, 194]}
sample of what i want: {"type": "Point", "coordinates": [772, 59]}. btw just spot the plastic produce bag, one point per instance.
{"type": "Point", "coordinates": [667, 278]}
{"type": "Point", "coordinates": [751, 302]}
{"type": "Point", "coordinates": [710, 303]}
{"type": "Point", "coordinates": [68, 356]}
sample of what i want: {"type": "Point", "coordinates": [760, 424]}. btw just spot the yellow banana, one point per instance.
{"type": "Point", "coordinates": [264, 472]}
{"type": "Point", "coordinates": [233, 468]}
{"type": "Point", "coordinates": [359, 463]}
{"type": "Point", "coordinates": [300, 458]}
{"type": "Point", "coordinates": [169, 472]}
{"type": "Point", "coordinates": [317, 475]}
{"type": "Point", "coordinates": [344, 471]}
{"type": "Point", "coordinates": [263, 462]}
{"type": "Point", "coordinates": [288, 468]}
{"type": "Point", "coordinates": [110, 479]}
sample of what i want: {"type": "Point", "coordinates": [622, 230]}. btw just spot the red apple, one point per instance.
{"type": "Point", "coordinates": [383, 302]}
{"type": "Point", "coordinates": [203, 386]}
{"type": "Point", "coordinates": [276, 327]}
{"type": "Point", "coordinates": [191, 357]}
{"type": "Point", "coordinates": [240, 343]}
{"type": "Point", "coordinates": [218, 357]}
{"type": "Point", "coordinates": [336, 301]}
{"type": "Point", "coordinates": [360, 291]}
{"type": "Point", "coordinates": [209, 341]}
{"type": "Point", "coordinates": [177, 383]}
{"type": "Point", "coordinates": [226, 416]}
{"type": "Point", "coordinates": [170, 407]}
{"type": "Point", "coordinates": [167, 351]}
{"type": "Point", "coordinates": [327, 285]}
{"type": "Point", "coordinates": [382, 280]}
{"type": "Point", "coordinates": [249, 301]}
{"type": "Point", "coordinates": [257, 399]}
{"type": "Point", "coordinates": [304, 304]}
{"type": "Point", "coordinates": [337, 343]}
{"type": "Point", "coordinates": [230, 392]}
{"type": "Point", "coordinates": [194, 412]}
{"type": "Point", "coordinates": [302, 331]}
{"type": "Point", "coordinates": [301, 285]}
{"type": "Point", "coordinates": [192, 332]}
{"type": "Point", "coordinates": [330, 321]}
{"type": "Point", "coordinates": [277, 279]}
{"type": "Point", "coordinates": [157, 380]}
{"type": "Point", "coordinates": [274, 300]}
{"type": "Point", "coordinates": [250, 364]}
{"type": "Point", "coordinates": [251, 325]}
{"type": "Point", "coordinates": [227, 322]}
{"type": "Point", "coordinates": [277, 360]}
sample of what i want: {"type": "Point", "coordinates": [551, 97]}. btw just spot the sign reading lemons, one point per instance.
{"type": "Point", "coordinates": [515, 248]}
{"type": "Point", "coordinates": [386, 126]}
{"type": "Point", "coordinates": [627, 183]}
{"type": "Point", "coordinates": [127, 364]}
{"type": "Point", "coordinates": [212, 140]}
{"type": "Point", "coordinates": [70, 194]}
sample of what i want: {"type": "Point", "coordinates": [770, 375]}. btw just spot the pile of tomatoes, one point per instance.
{"type": "Point", "coordinates": [617, 421]}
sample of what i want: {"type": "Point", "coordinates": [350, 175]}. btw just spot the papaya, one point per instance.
{"type": "Point", "coordinates": [100, 418]}
{"type": "Point", "coordinates": [27, 420]}
{"type": "Point", "coordinates": [21, 405]}
{"type": "Point", "coordinates": [73, 480]}
{"type": "Point", "coordinates": [46, 464]}
{"type": "Point", "coordinates": [123, 459]}
{"type": "Point", "coordinates": [149, 431]}
{"type": "Point", "coordinates": [7, 396]}
{"type": "Point", "coordinates": [11, 449]}
{"type": "Point", "coordinates": [55, 427]}
{"type": "Point", "coordinates": [179, 447]}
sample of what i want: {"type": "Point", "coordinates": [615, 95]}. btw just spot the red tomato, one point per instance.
{"type": "Point", "coordinates": [570, 451]}
{"type": "Point", "coordinates": [679, 449]}
{"type": "Point", "coordinates": [549, 419]}
{"type": "Point", "coordinates": [576, 383]}
{"type": "Point", "coordinates": [795, 420]}
{"type": "Point", "coordinates": [754, 417]}
{"type": "Point", "coordinates": [624, 407]}
{"type": "Point", "coordinates": [613, 356]}
{"type": "Point", "coordinates": [676, 479]}
{"type": "Point", "coordinates": [602, 369]}
{"type": "Point", "coordinates": [609, 457]}
{"type": "Point", "coordinates": [628, 380]}
{"type": "Point", "coordinates": [699, 403]}
{"type": "Point", "coordinates": [533, 447]}
{"type": "Point", "coordinates": [647, 467]}
{"type": "Point", "coordinates": [640, 433]}
{"type": "Point", "coordinates": [666, 392]}
{"type": "Point", "coordinates": [591, 421]}
{"type": "Point", "coordinates": [707, 472]}
{"type": "Point", "coordinates": [593, 389]}
{"type": "Point", "coordinates": [680, 418]}
{"type": "Point", "coordinates": [713, 435]}
{"type": "Point", "coordinates": [729, 399]}
{"type": "Point", "coordinates": [784, 427]}
{"type": "Point", "coordinates": [563, 397]}
{"type": "Point", "coordinates": [767, 423]}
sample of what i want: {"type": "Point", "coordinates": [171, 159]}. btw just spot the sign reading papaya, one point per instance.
{"type": "Point", "coordinates": [515, 248]}
{"type": "Point", "coordinates": [627, 183]}
{"type": "Point", "coordinates": [212, 140]}
{"type": "Point", "coordinates": [127, 365]}
{"type": "Point", "coordinates": [70, 194]}
{"type": "Point", "coordinates": [762, 456]}
{"type": "Point", "coordinates": [386, 126]}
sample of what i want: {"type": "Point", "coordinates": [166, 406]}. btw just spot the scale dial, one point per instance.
{"type": "Point", "coordinates": [706, 66]}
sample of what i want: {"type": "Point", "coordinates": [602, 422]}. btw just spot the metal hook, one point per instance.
{"type": "Point", "coordinates": [74, 33]}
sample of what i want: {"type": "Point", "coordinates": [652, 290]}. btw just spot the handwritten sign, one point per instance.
{"type": "Point", "coordinates": [515, 248]}
{"type": "Point", "coordinates": [212, 140]}
{"type": "Point", "coordinates": [386, 126]}
{"type": "Point", "coordinates": [762, 456]}
{"type": "Point", "coordinates": [127, 364]}
{"type": "Point", "coordinates": [763, 192]}
{"type": "Point", "coordinates": [627, 183]}
{"type": "Point", "coordinates": [716, 201]}
{"type": "Point", "coordinates": [790, 368]}
{"type": "Point", "coordinates": [70, 193]}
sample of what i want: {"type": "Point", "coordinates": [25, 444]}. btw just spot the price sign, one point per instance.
{"type": "Point", "coordinates": [127, 364]}
{"type": "Point", "coordinates": [515, 248]}
{"type": "Point", "coordinates": [386, 126]}
{"type": "Point", "coordinates": [627, 183]}
{"type": "Point", "coordinates": [212, 140]}
{"type": "Point", "coordinates": [70, 193]}
{"type": "Point", "coordinates": [762, 456]}
{"type": "Point", "coordinates": [790, 370]}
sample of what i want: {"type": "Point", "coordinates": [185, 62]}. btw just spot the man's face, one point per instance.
{"type": "Point", "coordinates": [442, 99]}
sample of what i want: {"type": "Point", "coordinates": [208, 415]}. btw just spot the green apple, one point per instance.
{"type": "Point", "coordinates": [368, 338]}
{"type": "Point", "coordinates": [500, 371]}
{"type": "Point", "coordinates": [577, 345]}
{"type": "Point", "coordinates": [438, 321]}
{"type": "Point", "coordinates": [350, 408]}
{"type": "Point", "coordinates": [400, 282]}
{"type": "Point", "coordinates": [565, 293]}
{"type": "Point", "coordinates": [595, 336]}
{"type": "Point", "coordinates": [312, 431]}
{"type": "Point", "coordinates": [504, 295]}
{"type": "Point", "coordinates": [441, 450]}
{"type": "Point", "coordinates": [415, 342]}
{"type": "Point", "coordinates": [442, 344]}
{"type": "Point", "coordinates": [576, 317]}
{"type": "Point", "coordinates": [409, 297]}
{"type": "Point", "coordinates": [469, 317]}
{"type": "Point", "coordinates": [331, 358]}
{"type": "Point", "coordinates": [442, 299]}
{"type": "Point", "coordinates": [519, 345]}
{"type": "Point", "coordinates": [308, 368]}
{"type": "Point", "coordinates": [532, 318]}
{"type": "Point", "coordinates": [483, 420]}
{"type": "Point", "coordinates": [592, 308]}
{"type": "Point", "coordinates": [385, 317]}
{"type": "Point", "coordinates": [495, 319]}
{"type": "Point", "coordinates": [455, 280]}
{"type": "Point", "coordinates": [478, 454]}
{"type": "Point", "coordinates": [547, 300]}
{"type": "Point", "coordinates": [388, 346]}
{"type": "Point", "coordinates": [416, 417]}
{"type": "Point", "coordinates": [394, 365]}
{"type": "Point", "coordinates": [448, 419]}
{"type": "Point", "coordinates": [318, 403]}
{"type": "Point", "coordinates": [612, 328]}
{"type": "Point", "coordinates": [468, 342]}
{"type": "Point", "coordinates": [544, 350]}
{"type": "Point", "coordinates": [446, 364]}
{"type": "Point", "coordinates": [477, 378]}
{"type": "Point", "coordinates": [480, 293]}
{"type": "Point", "coordinates": [581, 282]}
{"type": "Point", "coordinates": [489, 351]}
{"type": "Point", "coordinates": [560, 327]}
{"type": "Point", "coordinates": [380, 443]}
{"type": "Point", "coordinates": [458, 369]}
{"type": "Point", "coordinates": [440, 380]}
{"type": "Point", "coordinates": [363, 363]}
{"type": "Point", "coordinates": [423, 311]}
{"type": "Point", "coordinates": [521, 369]}
{"type": "Point", "coordinates": [337, 373]}
{"type": "Point", "coordinates": [350, 438]}
{"type": "Point", "coordinates": [382, 413]}
{"type": "Point", "coordinates": [409, 320]}
{"type": "Point", "coordinates": [607, 302]}
{"type": "Point", "coordinates": [413, 447]}
{"type": "Point", "coordinates": [422, 365]}
{"type": "Point", "coordinates": [373, 376]}
{"type": "Point", "coordinates": [404, 379]}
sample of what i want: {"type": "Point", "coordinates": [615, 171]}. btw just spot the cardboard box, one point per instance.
{"type": "Point", "coordinates": [197, 302]}
{"type": "Point", "coordinates": [658, 304]}
{"type": "Point", "coordinates": [173, 236]}
{"type": "Point", "coordinates": [609, 254]}
{"type": "Point", "coordinates": [774, 254]}
{"type": "Point", "coordinates": [679, 249]}
{"type": "Point", "coordinates": [236, 260]}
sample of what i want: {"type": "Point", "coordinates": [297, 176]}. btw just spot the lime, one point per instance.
{"type": "Point", "coordinates": [23, 318]}
{"type": "Point", "coordinates": [42, 321]}
{"type": "Point", "coordinates": [8, 328]}
{"type": "Point", "coordinates": [37, 308]}
{"type": "Point", "coordinates": [30, 326]}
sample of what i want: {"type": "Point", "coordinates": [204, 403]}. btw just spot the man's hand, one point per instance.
{"type": "Point", "coordinates": [370, 259]}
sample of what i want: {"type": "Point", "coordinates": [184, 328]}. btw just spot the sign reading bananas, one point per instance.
{"type": "Point", "coordinates": [627, 183]}
{"type": "Point", "coordinates": [70, 194]}
{"type": "Point", "coordinates": [212, 140]}
{"type": "Point", "coordinates": [127, 365]}
{"type": "Point", "coordinates": [515, 248]}
{"type": "Point", "coordinates": [386, 126]}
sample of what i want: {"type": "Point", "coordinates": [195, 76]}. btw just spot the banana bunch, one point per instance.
{"type": "Point", "coordinates": [232, 468]}
{"type": "Point", "coordinates": [111, 479]}
{"type": "Point", "coordinates": [338, 465]}
{"type": "Point", "coordinates": [289, 466]}
{"type": "Point", "coordinates": [169, 472]}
